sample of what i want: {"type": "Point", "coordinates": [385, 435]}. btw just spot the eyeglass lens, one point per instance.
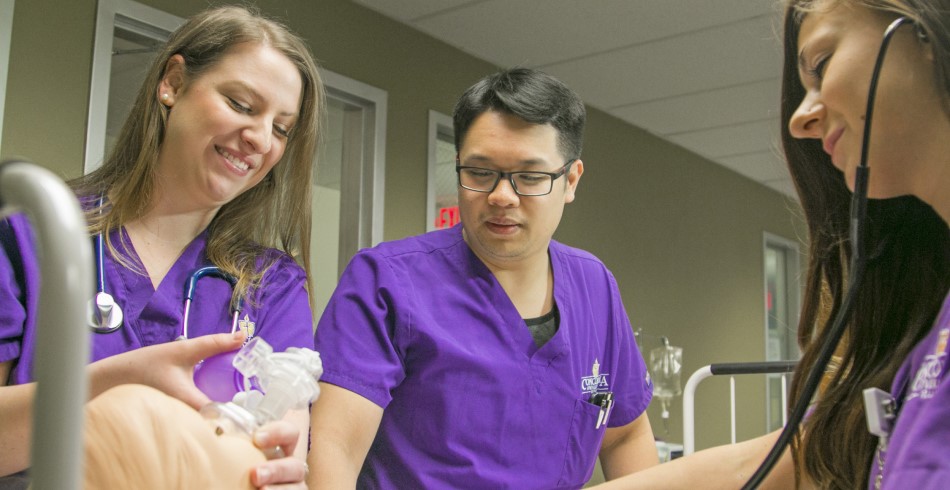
{"type": "Point", "coordinates": [524, 183]}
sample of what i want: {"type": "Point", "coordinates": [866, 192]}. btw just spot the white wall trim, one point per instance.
{"type": "Point", "coordinates": [793, 284]}
{"type": "Point", "coordinates": [794, 265]}
{"type": "Point", "coordinates": [6, 34]}
{"type": "Point", "coordinates": [102, 67]}
{"type": "Point", "coordinates": [437, 121]}
{"type": "Point", "coordinates": [375, 100]}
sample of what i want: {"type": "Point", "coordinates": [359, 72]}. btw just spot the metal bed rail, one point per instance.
{"type": "Point", "coordinates": [62, 345]}
{"type": "Point", "coordinates": [731, 370]}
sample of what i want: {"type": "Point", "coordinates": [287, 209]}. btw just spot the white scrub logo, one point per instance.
{"type": "Point", "coordinates": [596, 381]}
{"type": "Point", "coordinates": [928, 376]}
{"type": "Point", "coordinates": [248, 326]}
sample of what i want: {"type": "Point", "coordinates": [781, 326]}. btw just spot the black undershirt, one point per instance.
{"type": "Point", "coordinates": [543, 327]}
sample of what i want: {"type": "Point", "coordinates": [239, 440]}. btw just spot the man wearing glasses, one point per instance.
{"type": "Point", "coordinates": [486, 355]}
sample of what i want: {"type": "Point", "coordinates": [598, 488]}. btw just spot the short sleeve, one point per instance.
{"type": "Point", "coordinates": [12, 294]}
{"type": "Point", "coordinates": [636, 389]}
{"type": "Point", "coordinates": [284, 315]}
{"type": "Point", "coordinates": [357, 335]}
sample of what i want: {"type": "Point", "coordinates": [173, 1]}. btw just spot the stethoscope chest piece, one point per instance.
{"type": "Point", "coordinates": [103, 314]}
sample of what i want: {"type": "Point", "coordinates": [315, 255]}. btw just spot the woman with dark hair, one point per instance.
{"type": "Point", "coordinates": [897, 337]}
{"type": "Point", "coordinates": [212, 167]}
{"type": "Point", "coordinates": [830, 51]}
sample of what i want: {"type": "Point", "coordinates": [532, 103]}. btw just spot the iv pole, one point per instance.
{"type": "Point", "coordinates": [62, 344]}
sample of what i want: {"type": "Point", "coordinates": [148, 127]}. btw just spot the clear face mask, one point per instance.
{"type": "Point", "coordinates": [254, 386]}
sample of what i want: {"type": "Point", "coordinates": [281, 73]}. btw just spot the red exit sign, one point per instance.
{"type": "Point", "coordinates": [447, 217]}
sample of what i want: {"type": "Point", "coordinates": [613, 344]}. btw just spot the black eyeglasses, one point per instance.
{"type": "Point", "coordinates": [524, 183]}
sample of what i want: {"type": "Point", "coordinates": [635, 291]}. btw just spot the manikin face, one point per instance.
{"type": "Point", "coordinates": [503, 228]}
{"type": "Point", "coordinates": [838, 49]}
{"type": "Point", "coordinates": [228, 127]}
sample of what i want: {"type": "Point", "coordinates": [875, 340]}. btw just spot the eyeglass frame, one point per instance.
{"type": "Point", "coordinates": [510, 175]}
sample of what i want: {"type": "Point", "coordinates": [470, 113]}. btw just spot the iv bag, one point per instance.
{"type": "Point", "coordinates": [666, 363]}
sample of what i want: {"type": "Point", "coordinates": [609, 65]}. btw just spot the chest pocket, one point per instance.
{"type": "Point", "coordinates": [582, 447]}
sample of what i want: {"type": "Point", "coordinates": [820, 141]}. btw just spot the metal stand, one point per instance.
{"type": "Point", "coordinates": [62, 349]}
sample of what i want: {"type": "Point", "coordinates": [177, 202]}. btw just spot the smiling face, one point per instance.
{"type": "Point", "coordinates": [501, 227]}
{"type": "Point", "coordinates": [228, 126]}
{"type": "Point", "coordinates": [838, 48]}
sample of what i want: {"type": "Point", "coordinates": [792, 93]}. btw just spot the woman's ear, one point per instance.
{"type": "Point", "coordinates": [921, 33]}
{"type": "Point", "coordinates": [173, 80]}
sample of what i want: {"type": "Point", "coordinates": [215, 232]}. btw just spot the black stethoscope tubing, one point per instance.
{"type": "Point", "coordinates": [857, 266]}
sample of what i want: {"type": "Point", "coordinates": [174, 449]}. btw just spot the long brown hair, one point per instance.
{"type": "Point", "coordinates": [276, 212]}
{"type": "Point", "coordinates": [907, 274]}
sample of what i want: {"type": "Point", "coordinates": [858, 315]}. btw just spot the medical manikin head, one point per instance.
{"type": "Point", "coordinates": [140, 420]}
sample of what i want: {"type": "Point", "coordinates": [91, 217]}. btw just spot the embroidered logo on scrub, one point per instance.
{"type": "Point", "coordinates": [928, 376]}
{"type": "Point", "coordinates": [247, 325]}
{"type": "Point", "coordinates": [596, 382]}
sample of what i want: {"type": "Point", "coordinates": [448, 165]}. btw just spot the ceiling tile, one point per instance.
{"type": "Point", "coordinates": [407, 11]}
{"type": "Point", "coordinates": [744, 52]}
{"type": "Point", "coordinates": [537, 33]}
{"type": "Point", "coordinates": [701, 74]}
{"type": "Point", "coordinates": [739, 139]}
{"type": "Point", "coordinates": [753, 101]}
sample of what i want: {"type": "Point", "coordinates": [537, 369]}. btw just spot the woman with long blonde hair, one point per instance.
{"type": "Point", "coordinates": [212, 168]}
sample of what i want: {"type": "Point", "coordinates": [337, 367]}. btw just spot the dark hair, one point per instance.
{"type": "Point", "coordinates": [532, 95]}
{"type": "Point", "coordinates": [907, 276]}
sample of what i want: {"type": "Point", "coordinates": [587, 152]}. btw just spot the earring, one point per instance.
{"type": "Point", "coordinates": [164, 97]}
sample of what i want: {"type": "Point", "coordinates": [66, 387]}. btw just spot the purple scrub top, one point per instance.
{"type": "Point", "coordinates": [918, 453]}
{"type": "Point", "coordinates": [423, 329]}
{"type": "Point", "coordinates": [280, 312]}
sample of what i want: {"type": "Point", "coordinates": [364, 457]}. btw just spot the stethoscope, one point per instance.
{"type": "Point", "coordinates": [857, 266]}
{"type": "Point", "coordinates": [105, 315]}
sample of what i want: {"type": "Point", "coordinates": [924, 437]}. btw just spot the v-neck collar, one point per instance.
{"type": "Point", "coordinates": [520, 336]}
{"type": "Point", "coordinates": [139, 297]}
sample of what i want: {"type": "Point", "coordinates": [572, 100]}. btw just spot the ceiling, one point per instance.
{"type": "Point", "coordinates": [701, 74]}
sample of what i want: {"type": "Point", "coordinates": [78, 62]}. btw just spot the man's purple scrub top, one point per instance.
{"type": "Point", "coordinates": [422, 328]}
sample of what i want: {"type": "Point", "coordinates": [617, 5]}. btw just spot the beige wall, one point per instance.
{"type": "Point", "coordinates": [683, 237]}
{"type": "Point", "coordinates": [48, 83]}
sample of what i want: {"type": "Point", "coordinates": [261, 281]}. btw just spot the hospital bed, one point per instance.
{"type": "Point", "coordinates": [732, 370]}
{"type": "Point", "coordinates": [62, 348]}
